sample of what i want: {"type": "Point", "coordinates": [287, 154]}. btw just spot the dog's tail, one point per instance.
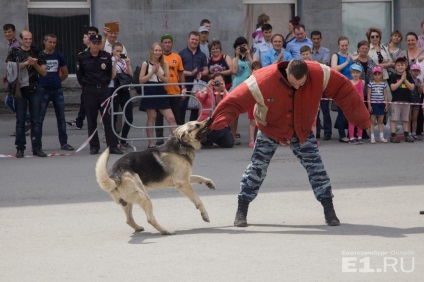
{"type": "Point", "coordinates": [105, 182]}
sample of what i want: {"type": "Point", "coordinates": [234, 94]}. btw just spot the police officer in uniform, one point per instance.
{"type": "Point", "coordinates": [94, 71]}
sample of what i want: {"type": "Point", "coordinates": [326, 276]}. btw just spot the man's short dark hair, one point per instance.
{"type": "Point", "coordinates": [297, 68]}
{"type": "Point", "coordinates": [299, 26]}
{"type": "Point", "coordinates": [204, 21]}
{"type": "Point", "coordinates": [92, 28]}
{"type": "Point", "coordinates": [195, 33]}
{"type": "Point", "coordinates": [305, 48]}
{"type": "Point", "coordinates": [316, 32]}
{"type": "Point", "coordinates": [266, 27]}
{"type": "Point", "coordinates": [49, 35]}
{"type": "Point", "coordinates": [9, 26]}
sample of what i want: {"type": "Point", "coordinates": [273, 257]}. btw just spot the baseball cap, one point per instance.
{"type": "Point", "coordinates": [401, 59]}
{"type": "Point", "coordinates": [203, 29]}
{"type": "Point", "coordinates": [356, 67]}
{"type": "Point", "coordinates": [95, 38]}
{"type": "Point", "coordinates": [377, 69]}
{"type": "Point", "coordinates": [166, 36]}
{"type": "Point", "coordinates": [415, 67]}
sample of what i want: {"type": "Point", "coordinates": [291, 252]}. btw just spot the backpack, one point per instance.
{"type": "Point", "coordinates": [136, 75]}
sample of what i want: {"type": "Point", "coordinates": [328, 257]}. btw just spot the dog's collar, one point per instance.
{"type": "Point", "coordinates": [184, 144]}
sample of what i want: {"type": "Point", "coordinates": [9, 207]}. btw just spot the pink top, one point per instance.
{"type": "Point", "coordinates": [360, 88]}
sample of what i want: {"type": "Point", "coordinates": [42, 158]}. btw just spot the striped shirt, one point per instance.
{"type": "Point", "coordinates": [377, 91]}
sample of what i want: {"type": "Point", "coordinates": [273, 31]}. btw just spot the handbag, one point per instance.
{"type": "Point", "coordinates": [123, 78]}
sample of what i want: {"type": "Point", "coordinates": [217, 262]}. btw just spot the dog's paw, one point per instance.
{"type": "Point", "coordinates": [210, 184]}
{"type": "Point", "coordinates": [166, 232]}
{"type": "Point", "coordinates": [139, 229]}
{"type": "Point", "coordinates": [205, 217]}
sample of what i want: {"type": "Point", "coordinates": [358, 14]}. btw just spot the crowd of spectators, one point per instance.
{"type": "Point", "coordinates": [105, 59]}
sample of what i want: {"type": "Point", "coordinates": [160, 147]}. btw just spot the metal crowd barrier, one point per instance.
{"type": "Point", "coordinates": [136, 98]}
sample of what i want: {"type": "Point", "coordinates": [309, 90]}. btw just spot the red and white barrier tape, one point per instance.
{"type": "Point", "coordinates": [399, 103]}
{"type": "Point", "coordinates": [82, 146]}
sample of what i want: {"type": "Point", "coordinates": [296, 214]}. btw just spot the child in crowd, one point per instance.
{"type": "Point", "coordinates": [401, 84]}
{"type": "Point", "coordinates": [356, 71]}
{"type": "Point", "coordinates": [377, 102]}
{"type": "Point", "coordinates": [253, 129]}
{"type": "Point", "coordinates": [415, 71]}
{"type": "Point", "coordinates": [306, 53]}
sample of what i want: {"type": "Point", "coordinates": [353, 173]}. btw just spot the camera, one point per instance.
{"type": "Point", "coordinates": [242, 49]}
{"type": "Point", "coordinates": [216, 83]}
{"type": "Point", "coordinates": [123, 56]}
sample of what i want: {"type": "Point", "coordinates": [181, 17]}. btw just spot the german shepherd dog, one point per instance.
{"type": "Point", "coordinates": [169, 165]}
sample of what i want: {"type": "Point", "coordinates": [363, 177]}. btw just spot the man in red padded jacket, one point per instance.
{"type": "Point", "coordinates": [287, 97]}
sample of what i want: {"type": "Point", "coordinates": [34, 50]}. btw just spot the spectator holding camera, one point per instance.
{"type": "Point", "coordinates": [121, 64]}
{"type": "Point", "coordinates": [221, 137]}
{"type": "Point", "coordinates": [242, 63]}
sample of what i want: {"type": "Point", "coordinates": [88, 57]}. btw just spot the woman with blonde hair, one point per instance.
{"type": "Point", "coordinates": [155, 71]}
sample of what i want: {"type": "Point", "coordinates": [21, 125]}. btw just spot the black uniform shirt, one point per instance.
{"type": "Point", "coordinates": [94, 71]}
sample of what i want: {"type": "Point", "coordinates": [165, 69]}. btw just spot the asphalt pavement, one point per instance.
{"type": "Point", "coordinates": [56, 224]}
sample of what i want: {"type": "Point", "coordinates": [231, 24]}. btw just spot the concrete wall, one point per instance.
{"type": "Point", "coordinates": [144, 22]}
{"type": "Point", "coordinates": [317, 15]}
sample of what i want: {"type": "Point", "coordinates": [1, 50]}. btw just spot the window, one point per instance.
{"type": "Point", "coordinates": [279, 11]}
{"type": "Point", "coordinates": [67, 20]}
{"type": "Point", "coordinates": [358, 16]}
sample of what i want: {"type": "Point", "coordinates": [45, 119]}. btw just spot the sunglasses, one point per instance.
{"type": "Point", "coordinates": [375, 36]}
{"type": "Point", "coordinates": [377, 73]}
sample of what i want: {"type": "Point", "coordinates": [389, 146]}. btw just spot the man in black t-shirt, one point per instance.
{"type": "Point", "coordinates": [29, 60]}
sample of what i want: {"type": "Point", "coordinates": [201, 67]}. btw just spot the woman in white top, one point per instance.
{"type": "Point", "coordinates": [121, 64]}
{"type": "Point", "coordinates": [378, 53]}
{"type": "Point", "coordinates": [155, 71]}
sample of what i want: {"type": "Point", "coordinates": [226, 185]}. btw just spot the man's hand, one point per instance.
{"type": "Point", "coordinates": [106, 31]}
{"type": "Point", "coordinates": [32, 61]}
{"type": "Point", "coordinates": [194, 72]}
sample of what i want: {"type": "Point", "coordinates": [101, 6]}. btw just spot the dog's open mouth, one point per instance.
{"type": "Point", "coordinates": [203, 132]}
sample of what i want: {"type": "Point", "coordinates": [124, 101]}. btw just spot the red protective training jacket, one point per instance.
{"type": "Point", "coordinates": [281, 110]}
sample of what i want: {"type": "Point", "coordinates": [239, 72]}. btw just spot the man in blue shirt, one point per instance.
{"type": "Point", "coordinates": [293, 47]}
{"type": "Point", "coordinates": [277, 53]}
{"type": "Point", "coordinates": [51, 86]}
{"type": "Point", "coordinates": [195, 66]}
{"type": "Point", "coordinates": [265, 45]}
{"type": "Point", "coordinates": [322, 55]}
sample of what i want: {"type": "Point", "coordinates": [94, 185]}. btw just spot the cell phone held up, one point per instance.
{"type": "Point", "coordinates": [242, 49]}
{"type": "Point", "coordinates": [123, 56]}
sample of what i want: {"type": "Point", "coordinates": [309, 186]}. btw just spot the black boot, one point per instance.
{"type": "Point", "coordinates": [241, 214]}
{"type": "Point", "coordinates": [329, 213]}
